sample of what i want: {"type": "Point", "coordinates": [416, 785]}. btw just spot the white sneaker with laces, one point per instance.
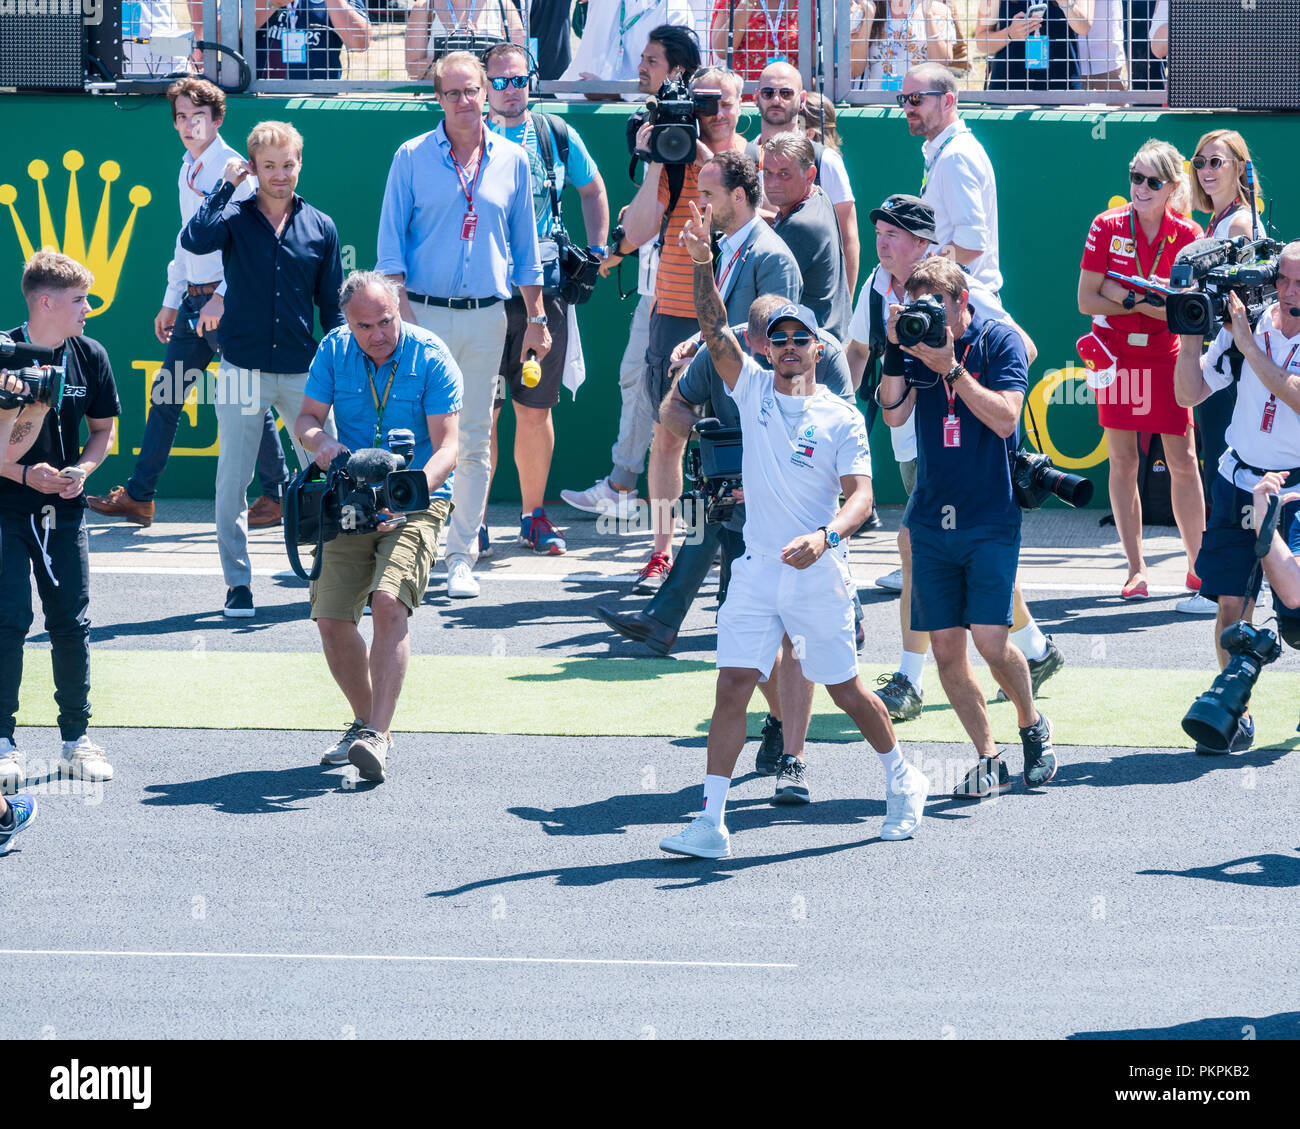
{"type": "Point", "coordinates": [601, 499]}
{"type": "Point", "coordinates": [337, 753]}
{"type": "Point", "coordinates": [461, 584]}
{"type": "Point", "coordinates": [891, 581]}
{"type": "Point", "coordinates": [904, 804]}
{"type": "Point", "coordinates": [84, 760]}
{"type": "Point", "coordinates": [1196, 604]}
{"type": "Point", "coordinates": [11, 768]}
{"type": "Point", "coordinates": [701, 839]}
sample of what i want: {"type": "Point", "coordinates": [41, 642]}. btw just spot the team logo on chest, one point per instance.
{"type": "Point", "coordinates": [805, 446]}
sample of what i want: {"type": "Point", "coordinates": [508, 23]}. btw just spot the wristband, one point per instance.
{"type": "Point", "coordinates": [25, 470]}
{"type": "Point", "coordinates": [894, 359]}
{"type": "Point", "coordinates": [597, 249]}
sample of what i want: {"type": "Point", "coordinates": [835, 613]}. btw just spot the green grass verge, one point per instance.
{"type": "Point", "coordinates": [582, 697]}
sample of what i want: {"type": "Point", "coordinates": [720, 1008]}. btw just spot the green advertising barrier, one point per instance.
{"type": "Point", "coordinates": [96, 178]}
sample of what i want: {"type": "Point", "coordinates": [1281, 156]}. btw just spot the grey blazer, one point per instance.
{"type": "Point", "coordinates": [766, 266]}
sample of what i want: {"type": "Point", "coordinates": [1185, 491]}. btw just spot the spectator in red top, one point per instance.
{"type": "Point", "coordinates": [1136, 393]}
{"type": "Point", "coordinates": [761, 32]}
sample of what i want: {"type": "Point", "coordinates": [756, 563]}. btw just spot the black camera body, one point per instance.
{"type": "Point", "coordinates": [34, 366]}
{"type": "Point", "coordinates": [714, 469]}
{"type": "Point", "coordinates": [1213, 717]}
{"type": "Point", "coordinates": [1034, 479]}
{"type": "Point", "coordinates": [673, 115]}
{"type": "Point", "coordinates": [923, 322]}
{"type": "Point", "coordinates": [1216, 268]}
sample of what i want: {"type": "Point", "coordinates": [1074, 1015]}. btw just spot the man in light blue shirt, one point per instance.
{"type": "Point", "coordinates": [378, 374]}
{"type": "Point", "coordinates": [456, 231]}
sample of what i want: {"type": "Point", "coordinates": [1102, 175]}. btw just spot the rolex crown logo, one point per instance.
{"type": "Point", "coordinates": [103, 263]}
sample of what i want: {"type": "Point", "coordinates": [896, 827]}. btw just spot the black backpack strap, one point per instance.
{"type": "Point", "coordinates": [542, 128]}
{"type": "Point", "coordinates": [818, 150]}
{"type": "Point", "coordinates": [676, 182]}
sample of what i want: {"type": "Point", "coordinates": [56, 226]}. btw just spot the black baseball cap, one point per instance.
{"type": "Point", "coordinates": [910, 213]}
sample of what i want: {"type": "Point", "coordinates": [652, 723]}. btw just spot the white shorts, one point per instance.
{"type": "Point", "coordinates": [767, 599]}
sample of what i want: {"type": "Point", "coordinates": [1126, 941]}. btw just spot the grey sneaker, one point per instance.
{"type": "Point", "coordinates": [770, 748]}
{"type": "Point", "coordinates": [11, 767]}
{"type": "Point", "coordinates": [338, 753]}
{"type": "Point", "coordinates": [987, 778]}
{"type": "Point", "coordinates": [791, 781]}
{"type": "Point", "coordinates": [82, 759]}
{"type": "Point", "coordinates": [1040, 670]}
{"type": "Point", "coordinates": [901, 698]}
{"type": "Point", "coordinates": [1040, 760]}
{"type": "Point", "coordinates": [369, 752]}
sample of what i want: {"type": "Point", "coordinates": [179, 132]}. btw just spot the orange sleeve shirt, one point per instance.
{"type": "Point", "coordinates": [674, 294]}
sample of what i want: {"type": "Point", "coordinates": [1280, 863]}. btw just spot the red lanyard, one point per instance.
{"type": "Point", "coordinates": [1269, 350]}
{"type": "Point", "coordinates": [470, 187]}
{"type": "Point", "coordinates": [722, 276]}
{"type": "Point", "coordinates": [191, 176]}
{"type": "Point", "coordinates": [1223, 215]}
{"type": "Point", "coordinates": [950, 390]}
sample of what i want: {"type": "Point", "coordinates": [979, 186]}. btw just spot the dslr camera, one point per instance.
{"type": "Point", "coordinates": [34, 366]}
{"type": "Point", "coordinates": [360, 490]}
{"type": "Point", "coordinates": [1213, 717]}
{"type": "Point", "coordinates": [1216, 268]}
{"type": "Point", "coordinates": [923, 322]}
{"type": "Point", "coordinates": [1034, 479]}
{"type": "Point", "coordinates": [714, 470]}
{"type": "Point", "coordinates": [673, 115]}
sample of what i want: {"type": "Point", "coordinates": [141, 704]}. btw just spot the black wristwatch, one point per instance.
{"type": "Point", "coordinates": [616, 237]}
{"type": "Point", "coordinates": [1130, 300]}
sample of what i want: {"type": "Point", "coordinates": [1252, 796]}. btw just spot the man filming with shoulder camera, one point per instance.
{"type": "Point", "coordinates": [379, 374]}
{"type": "Point", "coordinates": [1263, 436]}
{"type": "Point", "coordinates": [966, 388]}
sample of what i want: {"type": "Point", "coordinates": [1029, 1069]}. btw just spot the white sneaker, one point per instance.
{"type": "Point", "coordinates": [891, 581]}
{"type": "Point", "coordinates": [461, 584]}
{"type": "Point", "coordinates": [337, 753]}
{"type": "Point", "coordinates": [601, 499]}
{"type": "Point", "coordinates": [11, 768]}
{"type": "Point", "coordinates": [904, 804]}
{"type": "Point", "coordinates": [1196, 604]}
{"type": "Point", "coordinates": [701, 839]}
{"type": "Point", "coordinates": [84, 760]}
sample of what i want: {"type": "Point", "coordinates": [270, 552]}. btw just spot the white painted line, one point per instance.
{"type": "Point", "coordinates": [388, 957]}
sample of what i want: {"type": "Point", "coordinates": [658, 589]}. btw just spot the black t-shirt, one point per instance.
{"type": "Point", "coordinates": [1006, 68]}
{"type": "Point", "coordinates": [89, 390]}
{"type": "Point", "coordinates": [549, 25]}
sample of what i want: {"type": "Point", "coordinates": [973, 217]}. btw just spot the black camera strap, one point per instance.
{"type": "Point", "coordinates": [291, 515]}
{"type": "Point", "coordinates": [543, 126]}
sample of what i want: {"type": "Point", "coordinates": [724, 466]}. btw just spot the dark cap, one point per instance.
{"type": "Point", "coordinates": [910, 213]}
{"type": "Point", "coordinates": [792, 312]}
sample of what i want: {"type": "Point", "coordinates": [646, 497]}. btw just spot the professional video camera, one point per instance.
{"type": "Point", "coordinates": [674, 117]}
{"type": "Point", "coordinates": [33, 365]}
{"type": "Point", "coordinates": [923, 322]}
{"type": "Point", "coordinates": [360, 490]}
{"type": "Point", "coordinates": [1216, 268]}
{"type": "Point", "coordinates": [714, 469]}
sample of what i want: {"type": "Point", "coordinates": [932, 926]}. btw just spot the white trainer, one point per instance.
{"type": "Point", "coordinates": [891, 581]}
{"type": "Point", "coordinates": [337, 753]}
{"type": "Point", "coordinates": [701, 839]}
{"type": "Point", "coordinates": [84, 760]}
{"type": "Point", "coordinates": [11, 768]}
{"type": "Point", "coordinates": [601, 499]}
{"type": "Point", "coordinates": [904, 804]}
{"type": "Point", "coordinates": [1196, 604]}
{"type": "Point", "coordinates": [461, 584]}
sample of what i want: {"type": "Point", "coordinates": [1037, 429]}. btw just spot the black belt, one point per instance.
{"type": "Point", "coordinates": [454, 303]}
{"type": "Point", "coordinates": [1236, 458]}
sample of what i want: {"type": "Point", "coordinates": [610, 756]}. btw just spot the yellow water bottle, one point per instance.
{"type": "Point", "coordinates": [532, 372]}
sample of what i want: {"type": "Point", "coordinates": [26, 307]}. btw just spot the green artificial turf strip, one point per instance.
{"type": "Point", "coordinates": [574, 697]}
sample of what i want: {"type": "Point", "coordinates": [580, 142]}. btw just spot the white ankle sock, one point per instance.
{"type": "Point", "coordinates": [912, 666]}
{"type": "Point", "coordinates": [1031, 641]}
{"type": "Point", "coordinates": [892, 762]}
{"type": "Point", "coordinates": [715, 797]}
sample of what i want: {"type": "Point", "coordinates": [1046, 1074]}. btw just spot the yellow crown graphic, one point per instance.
{"type": "Point", "coordinates": [106, 266]}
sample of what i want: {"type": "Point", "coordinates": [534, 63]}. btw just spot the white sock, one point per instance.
{"type": "Point", "coordinates": [715, 798]}
{"type": "Point", "coordinates": [912, 665]}
{"type": "Point", "coordinates": [1031, 641]}
{"type": "Point", "coordinates": [892, 762]}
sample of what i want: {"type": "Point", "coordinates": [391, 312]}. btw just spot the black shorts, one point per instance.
{"type": "Point", "coordinates": [666, 333]}
{"type": "Point", "coordinates": [1227, 553]}
{"type": "Point", "coordinates": [547, 393]}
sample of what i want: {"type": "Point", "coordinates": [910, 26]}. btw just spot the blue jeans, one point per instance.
{"type": "Point", "coordinates": [189, 354]}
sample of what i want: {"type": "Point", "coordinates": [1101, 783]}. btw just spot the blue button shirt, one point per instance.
{"type": "Point", "coordinates": [424, 212]}
{"type": "Point", "coordinates": [271, 281]}
{"type": "Point", "coordinates": [426, 382]}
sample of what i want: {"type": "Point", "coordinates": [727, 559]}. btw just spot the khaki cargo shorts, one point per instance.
{"type": "Point", "coordinates": [399, 563]}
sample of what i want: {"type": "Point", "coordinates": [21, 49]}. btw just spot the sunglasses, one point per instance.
{"type": "Point", "coordinates": [1199, 163]}
{"type": "Point", "coordinates": [801, 338]}
{"type": "Point", "coordinates": [770, 92]}
{"type": "Point", "coordinates": [518, 81]}
{"type": "Point", "coordinates": [1153, 182]}
{"type": "Point", "coordinates": [914, 99]}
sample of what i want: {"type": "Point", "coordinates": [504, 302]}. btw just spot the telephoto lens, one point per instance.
{"type": "Point", "coordinates": [1212, 720]}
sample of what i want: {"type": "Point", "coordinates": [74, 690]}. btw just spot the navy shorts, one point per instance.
{"type": "Point", "coordinates": [1227, 553]}
{"type": "Point", "coordinates": [963, 576]}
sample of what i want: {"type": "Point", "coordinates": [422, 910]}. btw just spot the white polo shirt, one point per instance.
{"type": "Point", "coordinates": [617, 33]}
{"type": "Point", "coordinates": [1102, 49]}
{"type": "Point", "coordinates": [959, 185]}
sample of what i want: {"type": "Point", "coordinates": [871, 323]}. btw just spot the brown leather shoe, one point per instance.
{"type": "Point", "coordinates": [118, 503]}
{"type": "Point", "coordinates": [265, 511]}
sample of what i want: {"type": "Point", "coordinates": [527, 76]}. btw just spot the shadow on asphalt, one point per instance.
{"type": "Point", "coordinates": [1277, 871]}
{"type": "Point", "coordinates": [254, 793]}
{"type": "Point", "coordinates": [272, 615]}
{"type": "Point", "coordinates": [598, 668]}
{"type": "Point", "coordinates": [1283, 1025]}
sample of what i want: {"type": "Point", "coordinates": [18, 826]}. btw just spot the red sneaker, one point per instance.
{"type": "Point", "coordinates": [651, 578]}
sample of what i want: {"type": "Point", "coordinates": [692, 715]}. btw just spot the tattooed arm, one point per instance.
{"type": "Point", "coordinates": [709, 307]}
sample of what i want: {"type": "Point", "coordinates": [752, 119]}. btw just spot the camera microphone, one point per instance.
{"type": "Point", "coordinates": [23, 353]}
{"type": "Point", "coordinates": [373, 464]}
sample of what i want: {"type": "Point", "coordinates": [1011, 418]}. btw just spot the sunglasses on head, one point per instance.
{"type": "Point", "coordinates": [1199, 163]}
{"type": "Point", "coordinates": [518, 81]}
{"type": "Point", "coordinates": [770, 92]}
{"type": "Point", "coordinates": [1153, 182]}
{"type": "Point", "coordinates": [800, 337]}
{"type": "Point", "coordinates": [914, 99]}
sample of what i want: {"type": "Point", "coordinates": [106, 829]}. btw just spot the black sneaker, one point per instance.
{"type": "Point", "coordinates": [1040, 670]}
{"type": "Point", "coordinates": [901, 698]}
{"type": "Point", "coordinates": [770, 748]}
{"type": "Point", "coordinates": [1040, 761]}
{"type": "Point", "coordinates": [1242, 740]}
{"type": "Point", "coordinates": [988, 777]}
{"type": "Point", "coordinates": [239, 603]}
{"type": "Point", "coordinates": [791, 781]}
{"type": "Point", "coordinates": [873, 521]}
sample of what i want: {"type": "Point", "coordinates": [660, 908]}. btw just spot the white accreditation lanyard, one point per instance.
{"type": "Point", "coordinates": [293, 41]}
{"type": "Point", "coordinates": [773, 28]}
{"type": "Point", "coordinates": [894, 49]}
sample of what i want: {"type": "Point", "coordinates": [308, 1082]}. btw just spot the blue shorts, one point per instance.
{"type": "Point", "coordinates": [963, 576]}
{"type": "Point", "coordinates": [1227, 553]}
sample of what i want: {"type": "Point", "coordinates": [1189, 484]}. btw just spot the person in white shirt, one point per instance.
{"type": "Point", "coordinates": [1280, 565]}
{"type": "Point", "coordinates": [188, 321]}
{"type": "Point", "coordinates": [145, 19]}
{"type": "Point", "coordinates": [958, 181]}
{"type": "Point", "coordinates": [615, 35]}
{"type": "Point", "coordinates": [1158, 30]}
{"type": "Point", "coordinates": [1264, 436]}
{"type": "Point", "coordinates": [1102, 61]}
{"type": "Point", "coordinates": [432, 20]}
{"type": "Point", "coordinates": [803, 447]}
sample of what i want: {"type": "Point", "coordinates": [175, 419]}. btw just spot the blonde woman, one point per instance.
{"type": "Point", "coordinates": [1136, 393]}
{"type": "Point", "coordinates": [819, 121]}
{"type": "Point", "coordinates": [437, 19]}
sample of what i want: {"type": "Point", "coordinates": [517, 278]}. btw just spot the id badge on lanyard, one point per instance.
{"type": "Point", "coordinates": [1036, 52]}
{"type": "Point", "coordinates": [952, 422]}
{"type": "Point", "coordinates": [469, 225]}
{"type": "Point", "coordinates": [293, 42]}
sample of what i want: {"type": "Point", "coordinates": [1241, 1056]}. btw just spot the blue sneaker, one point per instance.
{"type": "Point", "coordinates": [538, 533]}
{"type": "Point", "coordinates": [23, 809]}
{"type": "Point", "coordinates": [484, 544]}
